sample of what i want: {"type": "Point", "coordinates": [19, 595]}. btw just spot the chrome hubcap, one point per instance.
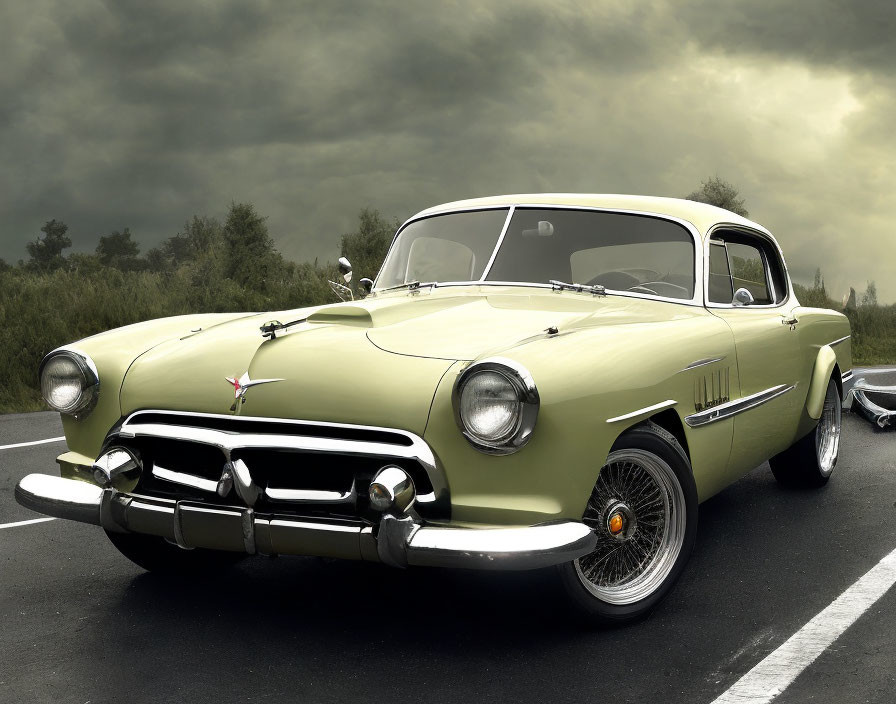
{"type": "Point", "coordinates": [827, 434]}
{"type": "Point", "coordinates": [619, 521]}
{"type": "Point", "coordinates": [637, 512]}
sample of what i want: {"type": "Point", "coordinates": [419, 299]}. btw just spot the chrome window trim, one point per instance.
{"type": "Point", "coordinates": [768, 238]}
{"type": "Point", "coordinates": [732, 408]}
{"type": "Point", "coordinates": [702, 363]}
{"type": "Point", "coordinates": [697, 299]}
{"type": "Point", "coordinates": [642, 411]}
{"type": "Point", "coordinates": [418, 450]}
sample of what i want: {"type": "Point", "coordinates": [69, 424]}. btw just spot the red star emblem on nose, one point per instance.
{"type": "Point", "coordinates": [236, 386]}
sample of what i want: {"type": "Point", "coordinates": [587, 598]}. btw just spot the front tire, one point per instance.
{"type": "Point", "coordinates": [809, 462]}
{"type": "Point", "coordinates": [157, 555]}
{"type": "Point", "coordinates": [644, 511]}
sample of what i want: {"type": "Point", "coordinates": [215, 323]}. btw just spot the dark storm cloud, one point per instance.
{"type": "Point", "coordinates": [142, 114]}
{"type": "Point", "coordinates": [828, 33]}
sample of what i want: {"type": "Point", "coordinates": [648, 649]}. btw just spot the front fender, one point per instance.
{"type": "Point", "coordinates": [818, 382]}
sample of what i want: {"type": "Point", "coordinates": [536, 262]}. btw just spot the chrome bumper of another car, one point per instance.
{"type": "Point", "coordinates": [397, 540]}
{"type": "Point", "coordinates": [876, 403]}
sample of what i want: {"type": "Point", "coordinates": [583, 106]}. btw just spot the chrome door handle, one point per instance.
{"type": "Point", "coordinates": [791, 321]}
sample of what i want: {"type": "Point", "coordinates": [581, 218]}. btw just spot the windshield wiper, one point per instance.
{"type": "Point", "coordinates": [410, 285]}
{"type": "Point", "coordinates": [596, 290]}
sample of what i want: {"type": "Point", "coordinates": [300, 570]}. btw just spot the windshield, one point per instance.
{"type": "Point", "coordinates": [619, 251]}
{"type": "Point", "coordinates": [454, 247]}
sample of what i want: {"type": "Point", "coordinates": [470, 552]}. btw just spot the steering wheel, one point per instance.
{"type": "Point", "coordinates": [672, 289]}
{"type": "Point", "coordinates": [642, 288]}
{"type": "Point", "coordinates": [618, 280]}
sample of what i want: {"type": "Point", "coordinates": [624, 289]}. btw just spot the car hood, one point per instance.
{"type": "Point", "coordinates": [323, 371]}
{"type": "Point", "coordinates": [372, 362]}
{"type": "Point", "coordinates": [490, 320]}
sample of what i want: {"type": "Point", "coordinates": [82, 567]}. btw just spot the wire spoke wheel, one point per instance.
{"type": "Point", "coordinates": [827, 435]}
{"type": "Point", "coordinates": [637, 510]}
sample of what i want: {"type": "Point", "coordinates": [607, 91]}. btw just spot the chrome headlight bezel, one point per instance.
{"type": "Point", "coordinates": [520, 380]}
{"type": "Point", "coordinates": [87, 375]}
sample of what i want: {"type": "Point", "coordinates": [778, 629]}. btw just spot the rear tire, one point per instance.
{"type": "Point", "coordinates": [647, 482]}
{"type": "Point", "coordinates": [809, 462]}
{"type": "Point", "coordinates": [157, 555]}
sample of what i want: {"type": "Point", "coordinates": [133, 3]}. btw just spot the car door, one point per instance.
{"type": "Point", "coordinates": [747, 287]}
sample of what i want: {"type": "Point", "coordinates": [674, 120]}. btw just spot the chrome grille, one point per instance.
{"type": "Point", "coordinates": [301, 467]}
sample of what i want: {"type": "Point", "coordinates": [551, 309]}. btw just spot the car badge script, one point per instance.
{"type": "Point", "coordinates": [241, 385]}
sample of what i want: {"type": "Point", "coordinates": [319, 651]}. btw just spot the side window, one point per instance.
{"type": "Point", "coordinates": [742, 260]}
{"type": "Point", "coordinates": [748, 271]}
{"type": "Point", "coordinates": [720, 289]}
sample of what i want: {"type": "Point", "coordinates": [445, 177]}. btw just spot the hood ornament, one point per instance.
{"type": "Point", "coordinates": [242, 385]}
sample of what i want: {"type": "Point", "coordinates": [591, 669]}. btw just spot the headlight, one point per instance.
{"type": "Point", "coordinates": [68, 381]}
{"type": "Point", "coordinates": [496, 404]}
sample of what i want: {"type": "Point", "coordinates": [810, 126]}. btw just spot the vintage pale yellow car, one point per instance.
{"type": "Point", "coordinates": [532, 381]}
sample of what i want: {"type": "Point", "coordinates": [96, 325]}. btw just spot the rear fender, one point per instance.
{"type": "Point", "coordinates": [818, 383]}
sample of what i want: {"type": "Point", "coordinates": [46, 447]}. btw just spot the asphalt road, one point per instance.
{"type": "Point", "coordinates": [80, 623]}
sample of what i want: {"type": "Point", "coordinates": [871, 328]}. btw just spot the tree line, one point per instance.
{"type": "Point", "coordinates": [209, 266]}
{"type": "Point", "coordinates": [213, 265]}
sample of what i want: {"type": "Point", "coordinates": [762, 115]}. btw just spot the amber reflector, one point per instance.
{"type": "Point", "coordinates": [615, 523]}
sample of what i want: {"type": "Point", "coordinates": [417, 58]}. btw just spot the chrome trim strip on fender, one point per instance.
{"type": "Point", "coordinates": [846, 376]}
{"type": "Point", "coordinates": [641, 411]}
{"type": "Point", "coordinates": [702, 363]}
{"type": "Point", "coordinates": [838, 341]}
{"type": "Point", "coordinates": [732, 408]}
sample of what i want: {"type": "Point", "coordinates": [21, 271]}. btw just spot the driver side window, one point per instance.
{"type": "Point", "coordinates": [739, 261]}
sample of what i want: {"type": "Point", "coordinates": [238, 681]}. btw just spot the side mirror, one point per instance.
{"type": "Point", "coordinates": [366, 285]}
{"type": "Point", "coordinates": [345, 268]}
{"type": "Point", "coordinates": [742, 297]}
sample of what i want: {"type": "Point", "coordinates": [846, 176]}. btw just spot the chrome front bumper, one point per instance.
{"type": "Point", "coordinates": [398, 541]}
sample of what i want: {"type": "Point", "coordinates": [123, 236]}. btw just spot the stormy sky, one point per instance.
{"type": "Point", "coordinates": [135, 114]}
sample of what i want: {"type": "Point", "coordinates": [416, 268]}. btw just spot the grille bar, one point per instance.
{"type": "Point", "coordinates": [235, 436]}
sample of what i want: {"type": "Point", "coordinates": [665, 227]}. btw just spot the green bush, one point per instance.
{"type": "Point", "coordinates": [873, 326]}
{"type": "Point", "coordinates": [207, 268]}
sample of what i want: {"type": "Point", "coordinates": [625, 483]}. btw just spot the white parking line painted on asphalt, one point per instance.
{"type": "Point", "coordinates": [773, 675]}
{"type": "Point", "coordinates": [27, 523]}
{"type": "Point", "coordinates": [33, 442]}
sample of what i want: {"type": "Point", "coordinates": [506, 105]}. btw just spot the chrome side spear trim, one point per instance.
{"type": "Point", "coordinates": [732, 408]}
